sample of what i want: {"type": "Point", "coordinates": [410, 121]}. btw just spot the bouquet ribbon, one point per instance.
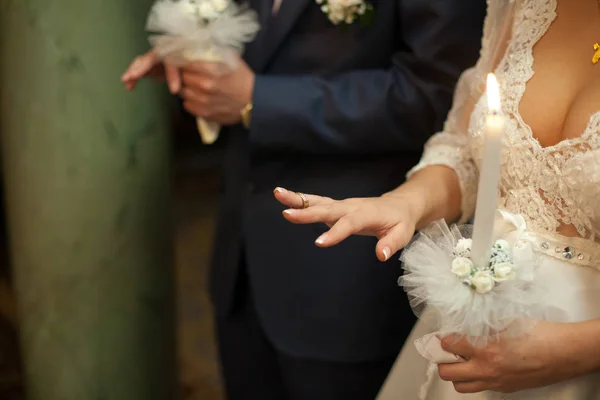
{"type": "Point", "coordinates": [430, 348]}
{"type": "Point", "coordinates": [208, 130]}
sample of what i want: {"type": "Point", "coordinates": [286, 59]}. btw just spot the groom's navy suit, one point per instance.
{"type": "Point", "coordinates": [341, 112]}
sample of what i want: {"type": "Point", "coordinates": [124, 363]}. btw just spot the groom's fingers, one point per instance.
{"type": "Point", "coordinates": [173, 77]}
{"type": "Point", "coordinates": [206, 68]}
{"type": "Point", "coordinates": [140, 66]}
{"type": "Point", "coordinates": [193, 96]}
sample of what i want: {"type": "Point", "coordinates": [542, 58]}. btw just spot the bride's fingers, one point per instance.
{"type": "Point", "coordinates": [394, 240]}
{"type": "Point", "coordinates": [467, 371]}
{"type": "Point", "coordinates": [347, 225]}
{"type": "Point", "coordinates": [327, 213]}
{"type": "Point", "coordinates": [459, 346]}
{"type": "Point", "coordinates": [294, 200]}
{"type": "Point", "coordinates": [471, 387]}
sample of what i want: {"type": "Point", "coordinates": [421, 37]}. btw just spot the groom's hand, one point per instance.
{"type": "Point", "coordinates": [210, 93]}
{"type": "Point", "coordinates": [150, 65]}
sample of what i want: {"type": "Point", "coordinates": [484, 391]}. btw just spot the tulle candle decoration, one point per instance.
{"type": "Point", "coordinates": [489, 176]}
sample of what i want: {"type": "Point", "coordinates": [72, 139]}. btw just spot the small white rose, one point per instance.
{"type": "Point", "coordinates": [483, 282]}
{"type": "Point", "coordinates": [464, 245]}
{"type": "Point", "coordinates": [190, 7]}
{"type": "Point", "coordinates": [208, 10]}
{"type": "Point", "coordinates": [504, 271]}
{"type": "Point", "coordinates": [220, 5]}
{"type": "Point", "coordinates": [502, 245]}
{"type": "Point", "coordinates": [462, 267]}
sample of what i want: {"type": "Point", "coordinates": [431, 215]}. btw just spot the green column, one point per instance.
{"type": "Point", "coordinates": [86, 168]}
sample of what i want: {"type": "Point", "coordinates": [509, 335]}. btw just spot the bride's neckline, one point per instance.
{"type": "Point", "coordinates": [529, 72]}
{"type": "Point", "coordinates": [567, 142]}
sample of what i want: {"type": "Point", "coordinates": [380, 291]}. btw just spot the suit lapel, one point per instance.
{"type": "Point", "coordinates": [253, 52]}
{"type": "Point", "coordinates": [274, 31]}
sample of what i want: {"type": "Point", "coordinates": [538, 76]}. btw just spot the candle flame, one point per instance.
{"type": "Point", "coordinates": [493, 94]}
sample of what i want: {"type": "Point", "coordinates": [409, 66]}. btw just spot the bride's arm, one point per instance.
{"type": "Point", "coordinates": [585, 346]}
{"type": "Point", "coordinates": [446, 177]}
{"type": "Point", "coordinates": [442, 185]}
{"type": "Point", "coordinates": [431, 193]}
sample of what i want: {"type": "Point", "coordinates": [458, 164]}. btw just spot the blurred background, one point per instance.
{"type": "Point", "coordinates": [195, 191]}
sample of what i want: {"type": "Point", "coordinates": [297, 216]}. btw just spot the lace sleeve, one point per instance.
{"type": "Point", "coordinates": [450, 147]}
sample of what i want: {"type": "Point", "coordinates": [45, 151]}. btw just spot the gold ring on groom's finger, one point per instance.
{"type": "Point", "coordinates": [305, 203]}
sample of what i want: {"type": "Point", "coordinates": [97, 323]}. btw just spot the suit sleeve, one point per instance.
{"type": "Point", "coordinates": [375, 110]}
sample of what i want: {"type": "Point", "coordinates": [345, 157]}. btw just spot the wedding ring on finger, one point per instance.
{"type": "Point", "coordinates": [305, 203]}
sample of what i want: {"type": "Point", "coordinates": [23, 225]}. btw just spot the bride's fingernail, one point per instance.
{"type": "Point", "coordinates": [321, 239]}
{"type": "Point", "coordinates": [280, 190]}
{"type": "Point", "coordinates": [288, 212]}
{"type": "Point", "coordinates": [386, 253]}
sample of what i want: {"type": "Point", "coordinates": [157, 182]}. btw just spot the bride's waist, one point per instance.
{"type": "Point", "coordinates": [575, 250]}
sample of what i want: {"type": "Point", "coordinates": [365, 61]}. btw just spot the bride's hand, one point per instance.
{"type": "Point", "coordinates": [389, 218]}
{"type": "Point", "coordinates": [544, 356]}
{"type": "Point", "coordinates": [150, 65]}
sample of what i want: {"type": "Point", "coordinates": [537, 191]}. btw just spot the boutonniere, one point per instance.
{"type": "Point", "coordinates": [347, 11]}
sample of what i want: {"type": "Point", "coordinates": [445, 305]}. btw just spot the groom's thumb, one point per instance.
{"type": "Point", "coordinates": [173, 78]}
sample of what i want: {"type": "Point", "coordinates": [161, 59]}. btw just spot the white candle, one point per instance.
{"type": "Point", "coordinates": [489, 176]}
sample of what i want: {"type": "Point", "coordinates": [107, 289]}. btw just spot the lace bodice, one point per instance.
{"type": "Point", "coordinates": [550, 187]}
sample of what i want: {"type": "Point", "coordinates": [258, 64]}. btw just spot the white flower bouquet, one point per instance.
{"type": "Point", "coordinates": [476, 301]}
{"type": "Point", "coordinates": [207, 30]}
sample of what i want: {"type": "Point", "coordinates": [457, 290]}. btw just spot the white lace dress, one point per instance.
{"type": "Point", "coordinates": [549, 186]}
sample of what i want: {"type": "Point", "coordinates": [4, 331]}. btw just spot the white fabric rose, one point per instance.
{"type": "Point", "coordinates": [504, 271]}
{"type": "Point", "coordinates": [220, 5]}
{"type": "Point", "coordinates": [502, 245]}
{"type": "Point", "coordinates": [483, 282]}
{"type": "Point", "coordinates": [464, 245]}
{"type": "Point", "coordinates": [190, 8]}
{"type": "Point", "coordinates": [462, 267]}
{"type": "Point", "coordinates": [211, 9]}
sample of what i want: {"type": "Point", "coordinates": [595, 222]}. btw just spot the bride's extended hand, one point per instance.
{"type": "Point", "coordinates": [389, 218]}
{"type": "Point", "coordinates": [550, 353]}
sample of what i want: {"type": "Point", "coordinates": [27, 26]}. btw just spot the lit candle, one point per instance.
{"type": "Point", "coordinates": [489, 176]}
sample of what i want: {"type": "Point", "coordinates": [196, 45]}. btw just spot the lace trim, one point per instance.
{"type": "Point", "coordinates": [550, 187]}
{"type": "Point", "coordinates": [447, 149]}
{"type": "Point", "coordinates": [536, 177]}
